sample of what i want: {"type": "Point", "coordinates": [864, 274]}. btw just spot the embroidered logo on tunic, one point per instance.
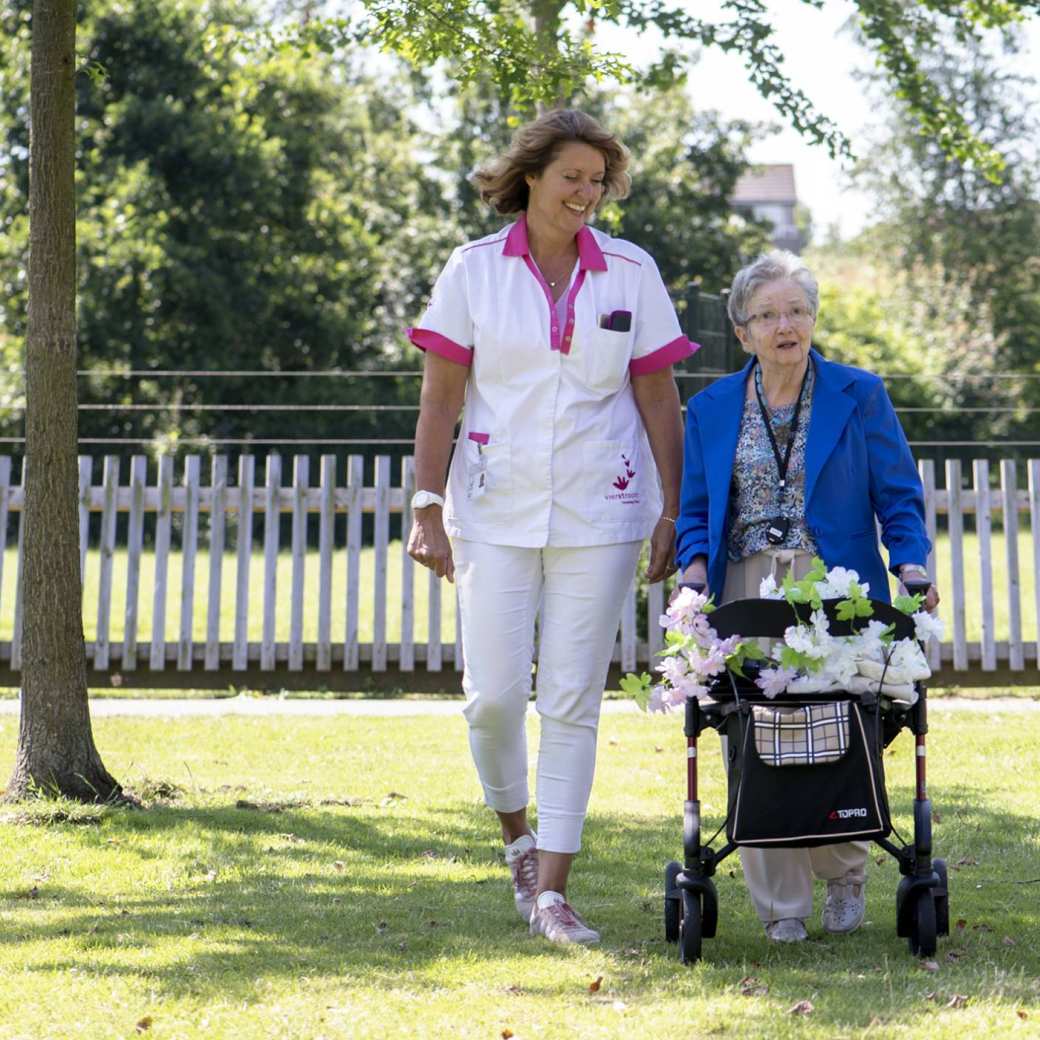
{"type": "Point", "coordinates": [621, 482]}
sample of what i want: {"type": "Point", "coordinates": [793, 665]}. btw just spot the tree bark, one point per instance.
{"type": "Point", "coordinates": [547, 33]}
{"type": "Point", "coordinates": [56, 752]}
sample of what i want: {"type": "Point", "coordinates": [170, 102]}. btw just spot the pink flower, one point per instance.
{"type": "Point", "coordinates": [772, 681]}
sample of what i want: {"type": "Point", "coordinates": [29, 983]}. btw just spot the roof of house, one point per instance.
{"type": "Point", "coordinates": [769, 182]}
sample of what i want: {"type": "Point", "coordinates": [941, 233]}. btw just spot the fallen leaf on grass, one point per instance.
{"type": "Point", "coordinates": [506, 1034]}
{"type": "Point", "coordinates": [595, 984]}
{"type": "Point", "coordinates": [928, 965]}
{"type": "Point", "coordinates": [803, 1007]}
{"type": "Point", "coordinates": [517, 991]}
{"type": "Point", "coordinates": [955, 955]}
{"type": "Point", "coordinates": [958, 1000]}
{"type": "Point", "coordinates": [1022, 1014]}
{"type": "Point", "coordinates": [933, 996]}
{"type": "Point", "coordinates": [658, 749]}
{"type": "Point", "coordinates": [339, 865]}
{"type": "Point", "coordinates": [144, 1025]}
{"type": "Point", "coordinates": [340, 801]}
{"type": "Point", "coordinates": [1008, 941]}
{"type": "Point", "coordinates": [966, 861]}
{"type": "Point", "coordinates": [752, 987]}
{"type": "Point", "coordinates": [981, 927]}
{"type": "Point", "coordinates": [880, 860]}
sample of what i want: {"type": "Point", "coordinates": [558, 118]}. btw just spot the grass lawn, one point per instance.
{"type": "Point", "coordinates": [339, 878]}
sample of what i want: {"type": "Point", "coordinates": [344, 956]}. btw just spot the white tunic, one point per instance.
{"type": "Point", "coordinates": [552, 450]}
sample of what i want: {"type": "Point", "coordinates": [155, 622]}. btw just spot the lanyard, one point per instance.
{"type": "Point", "coordinates": [781, 464]}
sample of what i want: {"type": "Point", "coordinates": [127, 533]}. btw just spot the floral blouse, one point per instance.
{"type": "Point", "coordinates": [754, 491]}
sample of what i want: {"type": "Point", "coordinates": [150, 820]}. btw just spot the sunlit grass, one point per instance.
{"type": "Point", "coordinates": [362, 896]}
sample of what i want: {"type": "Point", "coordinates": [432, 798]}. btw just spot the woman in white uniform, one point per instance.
{"type": "Point", "coordinates": [559, 341]}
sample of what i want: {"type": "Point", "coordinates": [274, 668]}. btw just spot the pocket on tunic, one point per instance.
{"type": "Point", "coordinates": [614, 481]}
{"type": "Point", "coordinates": [602, 358]}
{"type": "Point", "coordinates": [488, 476]}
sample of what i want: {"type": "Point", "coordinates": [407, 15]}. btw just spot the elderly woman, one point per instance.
{"type": "Point", "coordinates": [560, 341]}
{"type": "Point", "coordinates": [796, 456]}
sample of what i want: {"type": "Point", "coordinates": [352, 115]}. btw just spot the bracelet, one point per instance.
{"type": "Point", "coordinates": [670, 519]}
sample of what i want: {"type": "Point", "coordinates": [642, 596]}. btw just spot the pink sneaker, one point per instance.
{"type": "Point", "coordinates": [522, 860]}
{"type": "Point", "coordinates": [557, 920]}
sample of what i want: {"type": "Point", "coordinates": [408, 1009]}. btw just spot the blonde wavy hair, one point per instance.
{"type": "Point", "coordinates": [501, 182]}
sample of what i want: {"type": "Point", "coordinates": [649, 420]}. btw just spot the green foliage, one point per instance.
{"type": "Point", "coordinates": [535, 52]}
{"type": "Point", "coordinates": [240, 207]}
{"type": "Point", "coordinates": [637, 687]}
{"type": "Point", "coordinates": [908, 604]}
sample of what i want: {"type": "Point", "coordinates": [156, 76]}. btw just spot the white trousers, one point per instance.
{"type": "Point", "coordinates": [579, 593]}
{"type": "Point", "coordinates": [780, 881]}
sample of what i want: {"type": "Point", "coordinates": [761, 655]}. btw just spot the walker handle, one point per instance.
{"type": "Point", "coordinates": [917, 588]}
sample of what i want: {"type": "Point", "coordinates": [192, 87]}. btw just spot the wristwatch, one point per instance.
{"type": "Point", "coordinates": [422, 499]}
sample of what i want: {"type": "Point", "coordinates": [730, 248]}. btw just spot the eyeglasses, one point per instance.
{"type": "Point", "coordinates": [797, 315]}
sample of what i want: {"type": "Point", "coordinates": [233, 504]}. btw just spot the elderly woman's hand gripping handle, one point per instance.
{"type": "Point", "coordinates": [443, 391]}
{"type": "Point", "coordinates": [658, 402]}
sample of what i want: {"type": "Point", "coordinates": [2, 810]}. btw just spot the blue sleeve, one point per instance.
{"type": "Point", "coordinates": [896, 493]}
{"type": "Point", "coordinates": [691, 527]}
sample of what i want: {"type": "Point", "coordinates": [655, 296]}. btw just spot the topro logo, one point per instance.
{"type": "Point", "coordinates": [844, 814]}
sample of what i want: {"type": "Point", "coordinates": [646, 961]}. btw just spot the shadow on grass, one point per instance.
{"type": "Point", "coordinates": [380, 897]}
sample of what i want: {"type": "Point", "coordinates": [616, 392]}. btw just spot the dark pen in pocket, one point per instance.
{"type": "Point", "coordinates": [616, 321]}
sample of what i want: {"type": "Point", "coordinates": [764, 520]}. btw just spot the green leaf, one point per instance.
{"type": "Point", "coordinates": [908, 604]}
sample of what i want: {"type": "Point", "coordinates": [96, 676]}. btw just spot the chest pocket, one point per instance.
{"type": "Point", "coordinates": [600, 359]}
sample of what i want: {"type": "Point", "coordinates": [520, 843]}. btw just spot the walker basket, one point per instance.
{"type": "Point", "coordinates": [805, 772]}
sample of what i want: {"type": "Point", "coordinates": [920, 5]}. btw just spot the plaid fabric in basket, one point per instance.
{"type": "Point", "coordinates": [808, 735]}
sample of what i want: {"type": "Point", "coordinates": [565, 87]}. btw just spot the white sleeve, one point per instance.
{"type": "Point", "coordinates": [446, 326]}
{"type": "Point", "coordinates": [659, 340]}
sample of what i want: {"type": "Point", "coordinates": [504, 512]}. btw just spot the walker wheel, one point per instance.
{"type": "Point", "coordinates": [922, 925]}
{"type": "Point", "coordinates": [942, 898]}
{"type": "Point", "coordinates": [690, 928]}
{"type": "Point", "coordinates": [672, 904]}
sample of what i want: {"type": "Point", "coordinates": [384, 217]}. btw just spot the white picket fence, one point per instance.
{"type": "Point", "coordinates": [249, 502]}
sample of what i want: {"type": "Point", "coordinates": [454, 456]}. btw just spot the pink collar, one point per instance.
{"type": "Point", "coordinates": [590, 256]}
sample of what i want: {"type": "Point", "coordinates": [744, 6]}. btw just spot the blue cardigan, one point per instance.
{"type": "Point", "coordinates": [857, 466]}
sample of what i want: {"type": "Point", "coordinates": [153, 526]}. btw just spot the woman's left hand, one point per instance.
{"type": "Point", "coordinates": [662, 552]}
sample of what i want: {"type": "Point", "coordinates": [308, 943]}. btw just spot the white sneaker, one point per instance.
{"type": "Point", "coordinates": [846, 903]}
{"type": "Point", "coordinates": [558, 921]}
{"type": "Point", "coordinates": [522, 860]}
{"type": "Point", "coordinates": [787, 930]}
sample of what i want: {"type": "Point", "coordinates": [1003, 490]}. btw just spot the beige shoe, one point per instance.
{"type": "Point", "coordinates": [846, 903]}
{"type": "Point", "coordinates": [787, 930]}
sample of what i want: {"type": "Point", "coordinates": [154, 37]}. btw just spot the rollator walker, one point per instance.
{"type": "Point", "coordinates": [804, 804]}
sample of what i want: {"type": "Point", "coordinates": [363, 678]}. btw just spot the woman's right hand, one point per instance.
{"type": "Point", "coordinates": [428, 543]}
{"type": "Point", "coordinates": [695, 574]}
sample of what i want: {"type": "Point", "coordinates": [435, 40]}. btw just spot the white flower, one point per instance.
{"type": "Point", "coordinates": [769, 590]}
{"type": "Point", "coordinates": [835, 584]}
{"type": "Point", "coordinates": [869, 641]}
{"type": "Point", "coordinates": [927, 626]}
{"type": "Point", "coordinates": [806, 640]}
{"type": "Point", "coordinates": [772, 681]}
{"type": "Point", "coordinates": [841, 663]}
{"type": "Point", "coordinates": [908, 658]}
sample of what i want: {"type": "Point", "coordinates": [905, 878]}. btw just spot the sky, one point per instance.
{"type": "Point", "coordinates": [820, 58]}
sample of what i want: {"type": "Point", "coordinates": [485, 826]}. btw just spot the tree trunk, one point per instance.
{"type": "Point", "coordinates": [547, 33]}
{"type": "Point", "coordinates": [56, 752]}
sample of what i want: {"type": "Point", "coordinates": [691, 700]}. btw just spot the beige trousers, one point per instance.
{"type": "Point", "coordinates": [780, 881]}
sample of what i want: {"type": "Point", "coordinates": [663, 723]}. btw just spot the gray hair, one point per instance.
{"type": "Point", "coordinates": [779, 265]}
